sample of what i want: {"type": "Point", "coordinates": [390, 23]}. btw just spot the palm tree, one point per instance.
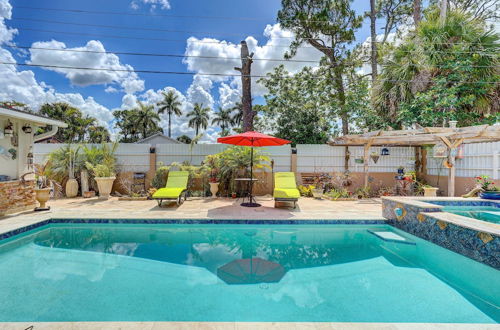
{"type": "Point", "coordinates": [238, 116]}
{"type": "Point", "coordinates": [198, 117]}
{"type": "Point", "coordinates": [223, 119]}
{"type": "Point", "coordinates": [146, 119]}
{"type": "Point", "coordinates": [171, 105]}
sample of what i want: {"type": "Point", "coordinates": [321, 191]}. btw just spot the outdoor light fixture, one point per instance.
{"type": "Point", "coordinates": [27, 129]}
{"type": "Point", "coordinates": [9, 129]}
{"type": "Point", "coordinates": [385, 152]}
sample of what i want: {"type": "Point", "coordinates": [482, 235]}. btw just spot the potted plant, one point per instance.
{"type": "Point", "coordinates": [214, 186]}
{"type": "Point", "coordinates": [320, 181]}
{"type": "Point", "coordinates": [43, 187]}
{"type": "Point", "coordinates": [489, 191]}
{"type": "Point", "coordinates": [104, 177]}
{"type": "Point", "coordinates": [429, 191]}
{"type": "Point", "coordinates": [72, 184]}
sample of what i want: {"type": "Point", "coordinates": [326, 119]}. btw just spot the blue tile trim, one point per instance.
{"type": "Point", "coordinates": [193, 221]}
{"type": "Point", "coordinates": [465, 203]}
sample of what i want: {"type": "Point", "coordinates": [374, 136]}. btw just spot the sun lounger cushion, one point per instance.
{"type": "Point", "coordinates": [285, 186]}
{"type": "Point", "coordinates": [176, 184]}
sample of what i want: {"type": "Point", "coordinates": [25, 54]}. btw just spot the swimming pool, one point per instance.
{"type": "Point", "coordinates": [153, 272]}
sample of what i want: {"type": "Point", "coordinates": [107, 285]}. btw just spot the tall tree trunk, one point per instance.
{"type": "Point", "coordinates": [373, 34]}
{"type": "Point", "coordinates": [344, 116]}
{"type": "Point", "coordinates": [417, 11]}
{"type": "Point", "coordinates": [246, 83]}
{"type": "Point", "coordinates": [443, 8]}
{"type": "Point", "coordinates": [169, 125]}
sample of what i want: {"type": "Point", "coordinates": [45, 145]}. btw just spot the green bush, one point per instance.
{"type": "Point", "coordinates": [338, 193]}
{"type": "Point", "coordinates": [306, 191]}
{"type": "Point", "coordinates": [100, 170]}
{"type": "Point", "coordinates": [160, 178]}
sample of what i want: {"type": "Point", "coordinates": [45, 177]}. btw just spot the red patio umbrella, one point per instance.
{"type": "Point", "coordinates": [252, 139]}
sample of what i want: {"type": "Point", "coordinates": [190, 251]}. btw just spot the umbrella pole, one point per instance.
{"type": "Point", "coordinates": [251, 201]}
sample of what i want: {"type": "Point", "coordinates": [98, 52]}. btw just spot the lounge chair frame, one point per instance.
{"type": "Point", "coordinates": [178, 200]}
{"type": "Point", "coordinates": [294, 200]}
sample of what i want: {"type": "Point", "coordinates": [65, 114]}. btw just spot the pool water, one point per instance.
{"type": "Point", "coordinates": [485, 213]}
{"type": "Point", "coordinates": [336, 273]}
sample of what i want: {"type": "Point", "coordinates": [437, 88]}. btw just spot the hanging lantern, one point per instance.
{"type": "Point", "coordinates": [440, 150]}
{"type": "Point", "coordinates": [460, 152]}
{"type": "Point", "coordinates": [385, 152]}
{"type": "Point", "coordinates": [27, 129]}
{"type": "Point", "coordinates": [9, 129]}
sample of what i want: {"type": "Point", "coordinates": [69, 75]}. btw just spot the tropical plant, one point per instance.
{"type": "Point", "coordinates": [146, 119]}
{"type": "Point", "coordinates": [238, 114]}
{"type": "Point", "coordinates": [443, 71]}
{"type": "Point", "coordinates": [198, 117]}
{"type": "Point", "coordinates": [306, 191]}
{"type": "Point", "coordinates": [234, 162]}
{"type": "Point", "coordinates": [184, 139]}
{"type": "Point", "coordinates": [171, 105]}
{"type": "Point", "coordinates": [103, 154]}
{"type": "Point", "coordinates": [100, 170]}
{"type": "Point", "coordinates": [224, 120]}
{"type": "Point", "coordinates": [64, 162]}
{"type": "Point", "coordinates": [43, 177]}
{"type": "Point", "coordinates": [486, 183]}
{"type": "Point", "coordinates": [80, 127]}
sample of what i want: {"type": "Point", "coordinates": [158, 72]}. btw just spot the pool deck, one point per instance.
{"type": "Point", "coordinates": [199, 208]}
{"type": "Point", "coordinates": [195, 208]}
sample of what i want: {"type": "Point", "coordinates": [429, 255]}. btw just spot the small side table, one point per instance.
{"type": "Point", "coordinates": [245, 188]}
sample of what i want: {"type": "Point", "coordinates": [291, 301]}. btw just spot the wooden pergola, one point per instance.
{"type": "Point", "coordinates": [451, 137]}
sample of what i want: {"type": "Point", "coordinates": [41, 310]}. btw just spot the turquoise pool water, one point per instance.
{"type": "Point", "coordinates": [337, 273]}
{"type": "Point", "coordinates": [485, 213]}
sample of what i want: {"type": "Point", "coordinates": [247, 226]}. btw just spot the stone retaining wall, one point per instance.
{"type": "Point", "coordinates": [16, 196]}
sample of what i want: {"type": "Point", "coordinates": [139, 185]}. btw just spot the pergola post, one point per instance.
{"type": "Point", "coordinates": [365, 160]}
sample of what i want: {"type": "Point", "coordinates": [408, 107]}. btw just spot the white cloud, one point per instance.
{"type": "Point", "coordinates": [228, 57]}
{"type": "Point", "coordinates": [128, 80]}
{"type": "Point", "coordinates": [164, 4]}
{"type": "Point", "coordinates": [228, 96]}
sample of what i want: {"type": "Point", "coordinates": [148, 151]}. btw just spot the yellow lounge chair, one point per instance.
{"type": "Point", "coordinates": [176, 186]}
{"type": "Point", "coordinates": [285, 188]}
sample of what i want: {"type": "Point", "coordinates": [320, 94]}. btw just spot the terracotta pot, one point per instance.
{"type": "Point", "coordinates": [42, 196]}
{"type": "Point", "coordinates": [214, 188]}
{"type": "Point", "coordinates": [430, 191]}
{"type": "Point", "coordinates": [105, 185]}
{"type": "Point", "coordinates": [71, 188]}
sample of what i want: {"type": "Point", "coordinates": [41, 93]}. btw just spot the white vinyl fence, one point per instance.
{"type": "Point", "coordinates": [479, 158]}
{"type": "Point", "coordinates": [324, 158]}
{"type": "Point", "coordinates": [130, 157]}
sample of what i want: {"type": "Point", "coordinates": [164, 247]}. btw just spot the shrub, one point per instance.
{"type": "Point", "coordinates": [306, 191]}
{"type": "Point", "coordinates": [160, 178]}
{"type": "Point", "coordinates": [100, 170]}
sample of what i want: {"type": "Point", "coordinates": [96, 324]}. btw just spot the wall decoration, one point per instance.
{"type": "Point", "coordinates": [375, 156]}
{"type": "Point", "coordinates": [13, 153]}
{"type": "Point", "coordinates": [27, 129]}
{"type": "Point", "coordinates": [440, 150]}
{"type": "Point", "coordinates": [385, 152]}
{"type": "Point", "coordinates": [14, 140]}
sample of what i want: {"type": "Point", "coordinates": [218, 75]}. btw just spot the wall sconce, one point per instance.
{"type": "Point", "coordinates": [27, 129]}
{"type": "Point", "coordinates": [9, 129]}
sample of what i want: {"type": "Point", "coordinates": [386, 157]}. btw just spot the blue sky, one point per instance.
{"type": "Point", "coordinates": [97, 93]}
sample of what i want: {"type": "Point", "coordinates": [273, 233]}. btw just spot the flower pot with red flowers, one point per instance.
{"type": "Point", "coordinates": [489, 190]}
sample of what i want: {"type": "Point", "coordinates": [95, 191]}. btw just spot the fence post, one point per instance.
{"type": "Point", "coordinates": [495, 165]}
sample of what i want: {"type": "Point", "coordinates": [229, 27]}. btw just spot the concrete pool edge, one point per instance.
{"type": "Point", "coordinates": [240, 325]}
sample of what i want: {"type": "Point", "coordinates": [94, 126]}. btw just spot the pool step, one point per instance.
{"type": "Point", "coordinates": [390, 236]}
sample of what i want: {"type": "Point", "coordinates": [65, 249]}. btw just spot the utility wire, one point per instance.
{"type": "Point", "coordinates": [211, 57]}
{"type": "Point", "coordinates": [194, 73]}
{"type": "Point", "coordinates": [135, 28]}
{"type": "Point", "coordinates": [83, 11]}
{"type": "Point", "coordinates": [157, 54]}
{"type": "Point", "coordinates": [210, 42]}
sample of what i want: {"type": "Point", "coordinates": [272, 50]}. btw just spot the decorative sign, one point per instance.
{"type": "Point", "coordinates": [439, 150]}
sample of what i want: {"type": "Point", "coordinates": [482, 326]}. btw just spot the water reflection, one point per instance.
{"type": "Point", "coordinates": [216, 247]}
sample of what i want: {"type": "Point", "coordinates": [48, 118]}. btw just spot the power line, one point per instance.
{"type": "Point", "coordinates": [158, 54]}
{"type": "Point", "coordinates": [135, 28]}
{"type": "Point", "coordinates": [209, 42]}
{"type": "Point", "coordinates": [210, 57]}
{"type": "Point", "coordinates": [195, 73]}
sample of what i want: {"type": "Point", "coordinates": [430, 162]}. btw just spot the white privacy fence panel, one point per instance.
{"type": "Point", "coordinates": [130, 157]}
{"type": "Point", "coordinates": [179, 153]}
{"type": "Point", "coordinates": [167, 154]}
{"type": "Point", "coordinates": [479, 158]}
{"type": "Point", "coordinates": [324, 158]}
